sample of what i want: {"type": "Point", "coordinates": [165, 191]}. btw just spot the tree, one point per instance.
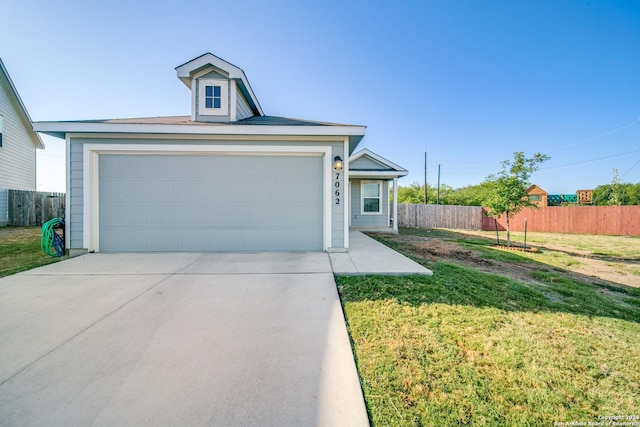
{"type": "Point", "coordinates": [617, 193]}
{"type": "Point", "coordinates": [508, 189]}
{"type": "Point", "coordinates": [472, 195]}
{"type": "Point", "coordinates": [414, 194]}
{"type": "Point", "coordinates": [615, 198]}
{"type": "Point", "coordinates": [633, 193]}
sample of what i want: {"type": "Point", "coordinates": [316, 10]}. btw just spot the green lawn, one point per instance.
{"type": "Point", "coordinates": [465, 347]}
{"type": "Point", "coordinates": [608, 247]}
{"type": "Point", "coordinates": [20, 250]}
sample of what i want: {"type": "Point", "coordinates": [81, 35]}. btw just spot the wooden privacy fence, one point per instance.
{"type": "Point", "coordinates": [440, 216]}
{"type": "Point", "coordinates": [609, 220]}
{"type": "Point", "coordinates": [28, 208]}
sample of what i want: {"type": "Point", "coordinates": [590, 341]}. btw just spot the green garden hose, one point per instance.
{"type": "Point", "coordinates": [51, 243]}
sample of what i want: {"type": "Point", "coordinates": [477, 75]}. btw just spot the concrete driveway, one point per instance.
{"type": "Point", "coordinates": [177, 339]}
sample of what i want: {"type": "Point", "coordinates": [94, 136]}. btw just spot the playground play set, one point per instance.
{"type": "Point", "coordinates": [541, 198]}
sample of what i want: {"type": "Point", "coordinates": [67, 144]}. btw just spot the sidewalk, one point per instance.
{"type": "Point", "coordinates": [368, 256]}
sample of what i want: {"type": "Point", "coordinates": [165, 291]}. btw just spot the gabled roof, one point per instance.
{"type": "Point", "coordinates": [366, 163]}
{"type": "Point", "coordinates": [186, 120]}
{"type": "Point", "coordinates": [183, 125]}
{"type": "Point", "coordinates": [20, 108]}
{"type": "Point", "coordinates": [258, 124]}
{"type": "Point", "coordinates": [192, 69]}
{"type": "Point", "coordinates": [535, 189]}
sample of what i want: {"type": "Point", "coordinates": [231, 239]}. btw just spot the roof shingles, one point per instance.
{"type": "Point", "coordinates": [186, 120]}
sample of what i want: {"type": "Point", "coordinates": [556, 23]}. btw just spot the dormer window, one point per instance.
{"type": "Point", "coordinates": [214, 97]}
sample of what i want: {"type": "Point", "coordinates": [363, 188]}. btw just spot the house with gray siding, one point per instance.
{"type": "Point", "coordinates": [225, 178]}
{"type": "Point", "coordinates": [18, 144]}
{"type": "Point", "coordinates": [371, 179]}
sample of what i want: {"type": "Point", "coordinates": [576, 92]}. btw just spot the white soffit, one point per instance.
{"type": "Point", "coordinates": [59, 129]}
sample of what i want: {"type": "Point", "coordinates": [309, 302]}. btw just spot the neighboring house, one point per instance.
{"type": "Point", "coordinates": [582, 197]}
{"type": "Point", "coordinates": [226, 178]}
{"type": "Point", "coordinates": [537, 196]}
{"type": "Point", "coordinates": [18, 144]}
{"type": "Point", "coordinates": [369, 179]}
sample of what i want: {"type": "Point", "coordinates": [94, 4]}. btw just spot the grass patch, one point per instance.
{"type": "Point", "coordinates": [463, 347]}
{"type": "Point", "coordinates": [592, 300]}
{"type": "Point", "coordinates": [20, 250]}
{"type": "Point", "coordinates": [620, 247]}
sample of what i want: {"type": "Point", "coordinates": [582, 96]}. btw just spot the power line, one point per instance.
{"type": "Point", "coordinates": [590, 161]}
{"type": "Point", "coordinates": [634, 165]}
{"type": "Point", "coordinates": [617, 129]}
{"type": "Point", "coordinates": [628, 125]}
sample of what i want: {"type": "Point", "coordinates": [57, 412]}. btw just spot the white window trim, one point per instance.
{"type": "Point", "coordinates": [380, 197]}
{"type": "Point", "coordinates": [224, 97]}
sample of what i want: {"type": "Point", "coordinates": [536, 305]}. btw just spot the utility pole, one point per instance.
{"type": "Point", "coordinates": [425, 176]}
{"type": "Point", "coordinates": [439, 182]}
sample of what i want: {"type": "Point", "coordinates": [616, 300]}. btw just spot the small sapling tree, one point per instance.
{"type": "Point", "coordinates": [508, 188]}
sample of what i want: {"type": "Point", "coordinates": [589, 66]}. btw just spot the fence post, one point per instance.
{"type": "Point", "coordinates": [33, 208]}
{"type": "Point", "coordinates": [440, 216]}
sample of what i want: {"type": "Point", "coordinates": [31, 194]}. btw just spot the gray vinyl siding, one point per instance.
{"type": "Point", "coordinates": [75, 222]}
{"type": "Point", "coordinates": [368, 220]}
{"type": "Point", "coordinates": [242, 107]}
{"type": "Point", "coordinates": [366, 164]}
{"type": "Point", "coordinates": [18, 152]}
{"type": "Point", "coordinates": [4, 206]}
{"type": "Point", "coordinates": [214, 75]}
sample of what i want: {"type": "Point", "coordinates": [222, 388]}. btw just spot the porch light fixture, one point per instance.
{"type": "Point", "coordinates": [337, 163]}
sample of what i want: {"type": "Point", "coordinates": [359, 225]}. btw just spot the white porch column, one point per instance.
{"type": "Point", "coordinates": [395, 204]}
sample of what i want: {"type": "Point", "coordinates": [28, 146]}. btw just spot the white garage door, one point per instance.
{"type": "Point", "coordinates": [210, 202]}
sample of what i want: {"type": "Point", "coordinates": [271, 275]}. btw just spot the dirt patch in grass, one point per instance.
{"type": "Point", "coordinates": [16, 233]}
{"type": "Point", "coordinates": [583, 266]}
{"type": "Point", "coordinates": [439, 249]}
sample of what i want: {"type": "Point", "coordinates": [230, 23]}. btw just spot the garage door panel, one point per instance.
{"type": "Point", "coordinates": [210, 203]}
{"type": "Point", "coordinates": [145, 239]}
{"type": "Point", "coordinates": [166, 190]}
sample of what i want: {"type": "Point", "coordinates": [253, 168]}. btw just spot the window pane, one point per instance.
{"type": "Point", "coordinates": [372, 205]}
{"type": "Point", "coordinates": [208, 91]}
{"type": "Point", "coordinates": [216, 103]}
{"type": "Point", "coordinates": [209, 103]}
{"type": "Point", "coordinates": [216, 91]}
{"type": "Point", "coordinates": [371, 190]}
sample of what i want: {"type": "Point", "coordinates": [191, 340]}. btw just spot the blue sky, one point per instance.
{"type": "Point", "coordinates": [470, 81]}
